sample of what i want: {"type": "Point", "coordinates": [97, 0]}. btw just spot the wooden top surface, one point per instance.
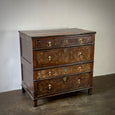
{"type": "Point", "coordinates": [56, 32]}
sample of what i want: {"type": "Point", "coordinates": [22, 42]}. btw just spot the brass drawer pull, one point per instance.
{"type": "Point", "coordinates": [80, 53]}
{"type": "Point", "coordinates": [49, 57]}
{"type": "Point", "coordinates": [49, 86]}
{"type": "Point", "coordinates": [79, 81]}
{"type": "Point", "coordinates": [49, 44]}
{"type": "Point", "coordinates": [79, 68]}
{"type": "Point", "coordinates": [49, 73]}
{"type": "Point", "coordinates": [64, 79]}
{"type": "Point", "coordinates": [81, 41]}
{"type": "Point", "coordinates": [66, 41]}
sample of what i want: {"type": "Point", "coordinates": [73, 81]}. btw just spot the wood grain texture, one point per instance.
{"type": "Point", "coordinates": [56, 61]}
{"type": "Point", "coordinates": [26, 47]}
{"type": "Point", "coordinates": [56, 32]}
{"type": "Point", "coordinates": [59, 85]}
{"type": "Point", "coordinates": [26, 63]}
{"type": "Point", "coordinates": [90, 91]}
{"type": "Point", "coordinates": [62, 71]}
{"type": "Point", "coordinates": [61, 41]}
{"type": "Point", "coordinates": [63, 56]}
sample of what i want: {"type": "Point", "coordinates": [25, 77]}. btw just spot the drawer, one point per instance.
{"type": "Point", "coordinates": [66, 41]}
{"type": "Point", "coordinates": [61, 71]}
{"type": "Point", "coordinates": [62, 56]}
{"type": "Point", "coordinates": [55, 85]}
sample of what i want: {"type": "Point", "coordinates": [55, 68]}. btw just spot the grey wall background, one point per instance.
{"type": "Point", "coordinates": [97, 15]}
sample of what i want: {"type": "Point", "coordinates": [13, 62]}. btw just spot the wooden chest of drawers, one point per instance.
{"type": "Point", "coordinates": [55, 62]}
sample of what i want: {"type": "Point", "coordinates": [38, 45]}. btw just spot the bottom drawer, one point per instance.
{"type": "Point", "coordinates": [60, 84]}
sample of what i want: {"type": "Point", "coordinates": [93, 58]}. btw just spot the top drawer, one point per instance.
{"type": "Point", "coordinates": [62, 41]}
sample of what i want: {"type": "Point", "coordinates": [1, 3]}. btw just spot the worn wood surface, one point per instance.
{"type": "Point", "coordinates": [63, 56]}
{"type": "Point", "coordinates": [51, 86]}
{"type": "Point", "coordinates": [61, 41]}
{"type": "Point", "coordinates": [56, 32]}
{"type": "Point", "coordinates": [56, 61]}
{"type": "Point", "coordinates": [62, 71]}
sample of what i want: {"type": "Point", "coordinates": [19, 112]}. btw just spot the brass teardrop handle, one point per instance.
{"type": "Point", "coordinates": [80, 53]}
{"type": "Point", "coordinates": [79, 68]}
{"type": "Point", "coordinates": [64, 79]}
{"type": "Point", "coordinates": [79, 81]}
{"type": "Point", "coordinates": [49, 57]}
{"type": "Point", "coordinates": [49, 44]}
{"type": "Point", "coordinates": [49, 86]}
{"type": "Point", "coordinates": [49, 73]}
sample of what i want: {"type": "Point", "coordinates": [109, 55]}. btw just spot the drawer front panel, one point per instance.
{"type": "Point", "coordinates": [61, 71]}
{"type": "Point", "coordinates": [54, 42]}
{"type": "Point", "coordinates": [51, 86]}
{"type": "Point", "coordinates": [63, 56]}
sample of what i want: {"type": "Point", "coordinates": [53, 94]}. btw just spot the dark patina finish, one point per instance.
{"type": "Point", "coordinates": [56, 61]}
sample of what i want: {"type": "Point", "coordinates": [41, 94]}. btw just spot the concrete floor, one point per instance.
{"type": "Point", "coordinates": [102, 102]}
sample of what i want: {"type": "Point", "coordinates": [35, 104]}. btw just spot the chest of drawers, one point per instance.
{"type": "Point", "coordinates": [56, 61]}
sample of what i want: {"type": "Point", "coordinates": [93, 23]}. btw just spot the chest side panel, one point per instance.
{"type": "Point", "coordinates": [26, 63]}
{"type": "Point", "coordinates": [26, 47]}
